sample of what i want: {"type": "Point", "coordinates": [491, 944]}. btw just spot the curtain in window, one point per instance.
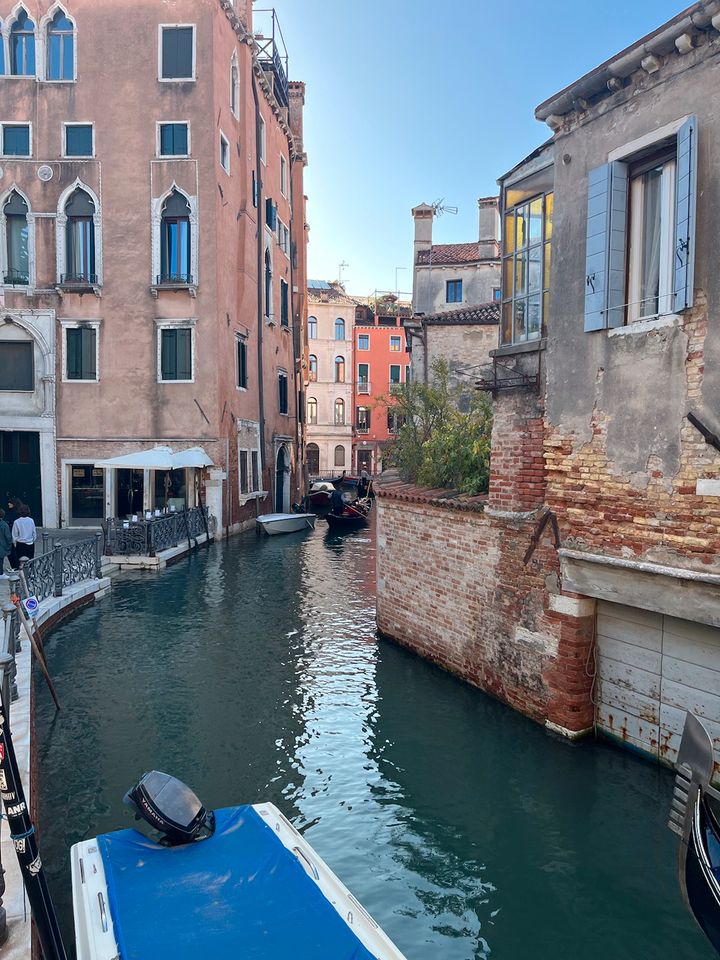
{"type": "Point", "coordinates": [650, 284]}
{"type": "Point", "coordinates": [175, 240]}
{"type": "Point", "coordinates": [16, 212]}
{"type": "Point", "coordinates": [22, 46]}
{"type": "Point", "coordinates": [60, 53]}
{"type": "Point", "coordinates": [80, 252]}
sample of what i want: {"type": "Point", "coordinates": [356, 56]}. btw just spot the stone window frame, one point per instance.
{"type": "Point", "coordinates": [63, 140]}
{"type": "Point", "coordinates": [158, 139]}
{"type": "Point", "coordinates": [241, 338]}
{"type": "Point", "coordinates": [156, 208]}
{"type": "Point", "coordinates": [61, 220]}
{"type": "Point", "coordinates": [72, 324]}
{"type": "Point", "coordinates": [16, 156]}
{"type": "Point", "coordinates": [4, 197]}
{"type": "Point", "coordinates": [247, 431]}
{"type": "Point", "coordinates": [183, 323]}
{"type": "Point", "coordinates": [177, 26]}
{"type": "Point", "coordinates": [284, 182]}
{"type": "Point", "coordinates": [235, 85]}
{"type": "Point", "coordinates": [41, 46]}
{"type": "Point", "coordinates": [5, 32]}
{"type": "Point", "coordinates": [224, 150]}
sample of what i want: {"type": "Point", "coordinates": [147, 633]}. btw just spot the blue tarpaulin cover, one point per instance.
{"type": "Point", "coordinates": [239, 894]}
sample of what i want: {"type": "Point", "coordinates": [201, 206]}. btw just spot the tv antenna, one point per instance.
{"type": "Point", "coordinates": [440, 207]}
{"type": "Point", "coordinates": [341, 266]}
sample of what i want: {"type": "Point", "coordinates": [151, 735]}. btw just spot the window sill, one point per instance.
{"type": "Point", "coordinates": [241, 389]}
{"type": "Point", "coordinates": [74, 380]}
{"type": "Point", "coordinates": [191, 288]}
{"type": "Point", "coordinates": [269, 322]}
{"type": "Point", "coordinates": [165, 382]}
{"type": "Point", "coordinates": [529, 346]}
{"type": "Point", "coordinates": [646, 326]}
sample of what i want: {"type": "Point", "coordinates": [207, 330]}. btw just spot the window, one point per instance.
{"type": "Point", "coordinates": [339, 370]}
{"type": "Point", "coordinates": [17, 368]}
{"type": "Point", "coordinates": [453, 291]}
{"type": "Point", "coordinates": [339, 456]}
{"type": "Point", "coordinates": [255, 469]}
{"type": "Point", "coordinates": [408, 375]}
{"type": "Point", "coordinates": [395, 421]}
{"type": "Point", "coordinates": [224, 153]}
{"type": "Point", "coordinates": [283, 391]}
{"type": "Point", "coordinates": [268, 285]}
{"type": "Point", "coordinates": [176, 354]}
{"type": "Point", "coordinates": [60, 64]}
{"type": "Point", "coordinates": [364, 341]}
{"type": "Point", "coordinates": [641, 229]}
{"type": "Point", "coordinates": [242, 378]}
{"type": "Point", "coordinates": [235, 86]}
{"type": "Point", "coordinates": [284, 303]}
{"type": "Point", "coordinates": [395, 344]}
{"type": "Point", "coordinates": [526, 269]}
{"type": "Point", "coordinates": [262, 140]}
{"type": "Point", "coordinates": [312, 456]}
{"type": "Point", "coordinates": [363, 378]}
{"type": "Point", "coordinates": [22, 46]}
{"type": "Point", "coordinates": [2, 54]}
{"type": "Point", "coordinates": [312, 328]}
{"type": "Point", "coordinates": [175, 241]}
{"type": "Point", "coordinates": [362, 419]}
{"type": "Point", "coordinates": [339, 329]}
{"type": "Point", "coordinates": [16, 236]}
{"type": "Point", "coordinates": [79, 140]}
{"type": "Point", "coordinates": [79, 239]}
{"type": "Point", "coordinates": [177, 53]}
{"type": "Point", "coordinates": [244, 470]}
{"type": "Point", "coordinates": [339, 412]}
{"type": "Point", "coordinates": [174, 140]}
{"type": "Point", "coordinates": [254, 189]}
{"type": "Point", "coordinates": [271, 216]}
{"type": "Point", "coordinates": [394, 373]}
{"type": "Point", "coordinates": [284, 238]}
{"type": "Point", "coordinates": [312, 411]}
{"type": "Point", "coordinates": [313, 368]}
{"type": "Point", "coordinates": [283, 176]}
{"type": "Point", "coordinates": [16, 140]}
{"type": "Point", "coordinates": [81, 353]}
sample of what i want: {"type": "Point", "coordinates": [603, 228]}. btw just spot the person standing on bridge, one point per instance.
{"type": "Point", "coordinates": [24, 535]}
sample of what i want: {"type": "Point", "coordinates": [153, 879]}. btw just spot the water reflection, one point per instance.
{"type": "Point", "coordinates": [252, 671]}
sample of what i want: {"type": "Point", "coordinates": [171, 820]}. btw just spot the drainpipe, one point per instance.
{"type": "Point", "coordinates": [296, 326]}
{"type": "Point", "coordinates": [260, 273]}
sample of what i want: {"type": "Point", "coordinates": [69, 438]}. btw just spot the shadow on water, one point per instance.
{"type": "Point", "coordinates": [252, 671]}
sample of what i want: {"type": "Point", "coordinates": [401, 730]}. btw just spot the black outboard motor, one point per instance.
{"type": "Point", "coordinates": [171, 807]}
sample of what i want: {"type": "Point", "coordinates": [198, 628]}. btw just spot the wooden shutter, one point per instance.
{"type": "Point", "coordinates": [605, 246]}
{"type": "Point", "coordinates": [184, 354]}
{"type": "Point", "coordinates": [74, 361]}
{"type": "Point", "coordinates": [87, 339]}
{"type": "Point", "coordinates": [168, 355]}
{"type": "Point", "coordinates": [685, 204]}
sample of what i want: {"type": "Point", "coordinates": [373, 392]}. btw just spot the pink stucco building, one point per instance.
{"type": "Point", "coordinates": [152, 255]}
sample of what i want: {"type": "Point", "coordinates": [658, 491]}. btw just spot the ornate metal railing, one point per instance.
{"type": "Point", "coordinates": [40, 576]}
{"type": "Point", "coordinates": [149, 537]}
{"type": "Point", "coordinates": [79, 561]}
{"type": "Point", "coordinates": [68, 562]}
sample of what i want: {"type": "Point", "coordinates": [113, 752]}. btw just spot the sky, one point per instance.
{"type": "Point", "coordinates": [412, 101]}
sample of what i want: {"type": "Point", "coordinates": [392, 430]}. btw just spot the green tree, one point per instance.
{"type": "Point", "coordinates": [437, 445]}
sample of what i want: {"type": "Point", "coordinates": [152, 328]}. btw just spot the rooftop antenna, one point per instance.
{"type": "Point", "coordinates": [340, 270]}
{"type": "Point", "coordinates": [440, 207]}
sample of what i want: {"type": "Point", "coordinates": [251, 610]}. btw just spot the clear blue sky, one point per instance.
{"type": "Point", "coordinates": [409, 101]}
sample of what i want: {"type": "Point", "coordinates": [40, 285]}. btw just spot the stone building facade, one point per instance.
{"type": "Point", "coordinates": [600, 536]}
{"type": "Point", "coordinates": [153, 255]}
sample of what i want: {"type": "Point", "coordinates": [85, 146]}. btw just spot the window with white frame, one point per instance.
{"type": "Point", "coordinates": [175, 352]}
{"type": "Point", "coordinates": [16, 213]}
{"type": "Point", "coordinates": [284, 303]}
{"type": "Point", "coordinates": [60, 48]}
{"type": "Point", "coordinates": [224, 153]}
{"type": "Point", "coordinates": [312, 328]}
{"type": "Point", "coordinates": [22, 45]}
{"type": "Point", "coordinates": [283, 392]}
{"type": "Point", "coordinates": [80, 253]}
{"type": "Point", "coordinates": [242, 365]}
{"type": "Point", "coordinates": [263, 144]}
{"type": "Point", "coordinates": [16, 139]}
{"type": "Point", "coordinates": [395, 344]}
{"type": "Point", "coordinates": [78, 140]}
{"type": "Point", "coordinates": [339, 412]}
{"type": "Point", "coordinates": [177, 52]}
{"type": "Point", "coordinates": [284, 238]}
{"type": "Point", "coordinates": [249, 478]}
{"type": "Point", "coordinates": [283, 176]}
{"type": "Point", "coordinates": [312, 411]}
{"type": "Point", "coordinates": [174, 139]}
{"type": "Point", "coordinates": [80, 351]}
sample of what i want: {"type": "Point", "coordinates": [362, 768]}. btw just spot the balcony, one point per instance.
{"type": "Point", "coordinates": [174, 281]}
{"type": "Point", "coordinates": [272, 52]}
{"type": "Point", "coordinates": [15, 278]}
{"type": "Point", "coordinates": [395, 386]}
{"type": "Point", "coordinates": [362, 430]}
{"type": "Point", "coordinates": [363, 386]}
{"type": "Point", "coordinates": [78, 282]}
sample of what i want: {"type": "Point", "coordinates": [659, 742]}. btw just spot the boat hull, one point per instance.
{"type": "Point", "coordinates": [275, 523]}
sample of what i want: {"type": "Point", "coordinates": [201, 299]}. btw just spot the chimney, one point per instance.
{"type": "Point", "coordinates": [489, 219]}
{"type": "Point", "coordinates": [296, 100]}
{"type": "Point", "coordinates": [423, 216]}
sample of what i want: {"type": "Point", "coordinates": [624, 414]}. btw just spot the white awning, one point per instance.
{"type": "Point", "coordinates": [159, 458]}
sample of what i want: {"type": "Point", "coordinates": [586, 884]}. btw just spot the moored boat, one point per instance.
{"type": "Point", "coordinates": [353, 516]}
{"type": "Point", "coordinates": [274, 523]}
{"type": "Point", "coordinates": [695, 818]}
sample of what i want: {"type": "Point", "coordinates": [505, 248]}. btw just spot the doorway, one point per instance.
{"type": "Point", "coordinates": [130, 488]}
{"type": "Point", "coordinates": [364, 461]}
{"type": "Point", "coordinates": [20, 470]}
{"type": "Point", "coordinates": [282, 481]}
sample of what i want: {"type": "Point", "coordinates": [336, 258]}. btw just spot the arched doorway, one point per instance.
{"type": "Point", "coordinates": [312, 457]}
{"type": "Point", "coordinates": [282, 481]}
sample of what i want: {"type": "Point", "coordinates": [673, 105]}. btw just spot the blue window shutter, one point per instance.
{"type": "Point", "coordinates": [685, 203]}
{"type": "Point", "coordinates": [598, 219]}
{"type": "Point", "coordinates": [605, 246]}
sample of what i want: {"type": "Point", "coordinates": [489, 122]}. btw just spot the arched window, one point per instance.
{"type": "Point", "coordinates": [312, 457]}
{"type": "Point", "coordinates": [80, 239]}
{"type": "Point", "coordinates": [22, 46]}
{"type": "Point", "coordinates": [234, 86]}
{"type": "Point", "coordinates": [339, 456]}
{"type": "Point", "coordinates": [312, 328]}
{"type": "Point", "coordinates": [268, 285]}
{"type": "Point", "coordinates": [175, 240]}
{"type": "Point", "coordinates": [2, 53]}
{"type": "Point", "coordinates": [312, 410]}
{"type": "Point", "coordinates": [60, 53]}
{"type": "Point", "coordinates": [313, 368]}
{"type": "Point", "coordinates": [16, 236]}
{"type": "Point", "coordinates": [339, 329]}
{"type": "Point", "coordinates": [339, 412]}
{"type": "Point", "coordinates": [339, 370]}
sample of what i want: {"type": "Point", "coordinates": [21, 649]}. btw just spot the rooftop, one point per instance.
{"type": "Point", "coordinates": [483, 313]}
{"type": "Point", "coordinates": [442, 254]}
{"type": "Point", "coordinates": [320, 291]}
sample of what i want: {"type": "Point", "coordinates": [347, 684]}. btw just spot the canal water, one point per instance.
{"type": "Point", "coordinates": [252, 671]}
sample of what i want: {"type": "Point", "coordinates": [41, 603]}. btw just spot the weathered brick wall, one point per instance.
{"type": "Point", "coordinates": [517, 468]}
{"type": "Point", "coordinates": [453, 588]}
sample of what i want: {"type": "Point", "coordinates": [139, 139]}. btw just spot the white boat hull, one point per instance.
{"type": "Point", "coordinates": [274, 523]}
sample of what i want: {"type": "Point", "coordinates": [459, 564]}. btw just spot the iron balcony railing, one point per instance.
{"type": "Point", "coordinates": [272, 52]}
{"type": "Point", "coordinates": [78, 279]}
{"type": "Point", "coordinates": [363, 429]}
{"type": "Point", "coordinates": [148, 537]}
{"type": "Point", "coordinates": [174, 280]}
{"type": "Point", "coordinates": [16, 278]}
{"type": "Point", "coordinates": [363, 386]}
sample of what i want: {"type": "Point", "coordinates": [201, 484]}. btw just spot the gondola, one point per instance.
{"type": "Point", "coordinates": [694, 817]}
{"type": "Point", "coordinates": [354, 515]}
{"type": "Point", "coordinates": [318, 496]}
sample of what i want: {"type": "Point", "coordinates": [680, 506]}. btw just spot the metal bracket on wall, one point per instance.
{"type": "Point", "coordinates": [710, 437]}
{"type": "Point", "coordinates": [547, 517]}
{"type": "Point", "coordinates": [506, 377]}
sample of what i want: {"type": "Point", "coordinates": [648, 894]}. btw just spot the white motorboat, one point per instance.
{"type": "Point", "coordinates": [273, 523]}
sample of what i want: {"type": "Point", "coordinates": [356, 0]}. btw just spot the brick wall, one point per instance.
{"type": "Point", "coordinates": [453, 588]}
{"type": "Point", "coordinates": [517, 468]}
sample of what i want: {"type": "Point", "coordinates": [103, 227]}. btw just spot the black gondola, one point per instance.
{"type": "Point", "coordinates": [694, 818]}
{"type": "Point", "coordinates": [354, 515]}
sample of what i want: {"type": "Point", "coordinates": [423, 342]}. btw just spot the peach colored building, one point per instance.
{"type": "Point", "coordinates": [152, 255]}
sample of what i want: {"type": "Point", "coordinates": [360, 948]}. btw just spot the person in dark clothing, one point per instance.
{"type": "Point", "coordinates": [15, 507]}
{"type": "Point", "coordinates": [6, 543]}
{"type": "Point", "coordinates": [337, 502]}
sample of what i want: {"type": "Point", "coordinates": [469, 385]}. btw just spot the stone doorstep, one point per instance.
{"type": "Point", "coordinates": [18, 946]}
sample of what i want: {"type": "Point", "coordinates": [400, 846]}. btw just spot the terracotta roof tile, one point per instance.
{"type": "Point", "coordinates": [391, 487]}
{"type": "Point", "coordinates": [485, 313]}
{"type": "Point", "coordinates": [451, 253]}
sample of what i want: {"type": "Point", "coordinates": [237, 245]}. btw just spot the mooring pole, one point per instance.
{"type": "Point", "coordinates": [22, 834]}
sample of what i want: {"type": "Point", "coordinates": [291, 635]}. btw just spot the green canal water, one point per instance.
{"type": "Point", "coordinates": [252, 671]}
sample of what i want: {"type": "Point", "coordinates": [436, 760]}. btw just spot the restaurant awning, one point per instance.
{"type": "Point", "coordinates": [158, 458]}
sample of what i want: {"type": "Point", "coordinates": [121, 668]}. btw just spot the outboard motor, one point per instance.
{"type": "Point", "coordinates": [171, 807]}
